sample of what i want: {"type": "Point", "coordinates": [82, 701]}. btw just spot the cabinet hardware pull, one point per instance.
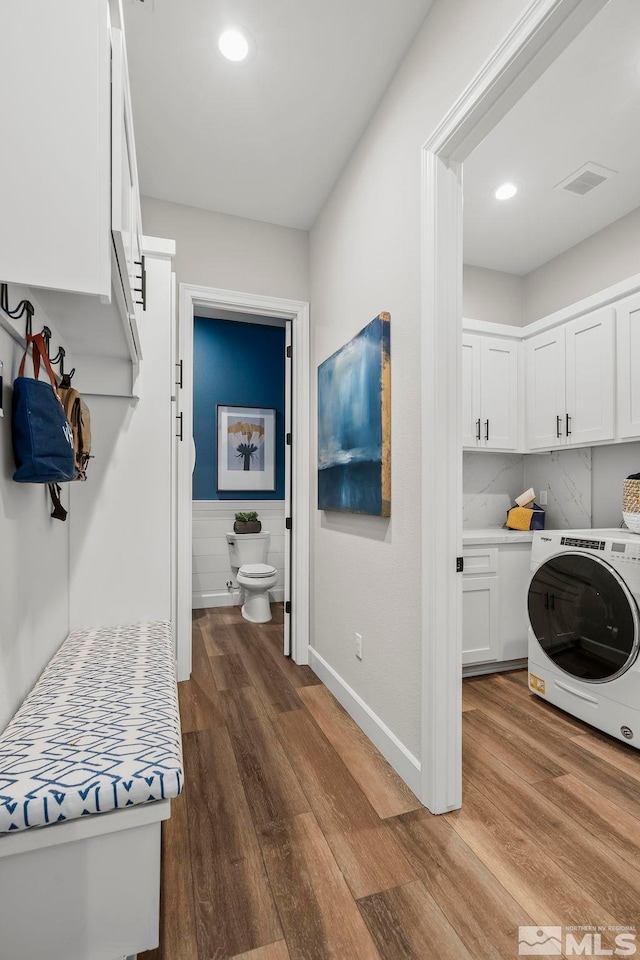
{"type": "Point", "coordinates": [568, 425]}
{"type": "Point", "coordinates": [486, 432]}
{"type": "Point", "coordinates": [558, 422]}
{"type": "Point", "coordinates": [478, 428]}
{"type": "Point", "coordinates": [143, 282]}
{"type": "Point", "coordinates": [179, 435]}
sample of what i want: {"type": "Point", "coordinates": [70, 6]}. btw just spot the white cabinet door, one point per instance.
{"type": "Point", "coordinates": [590, 372]}
{"type": "Point", "coordinates": [471, 390]}
{"type": "Point", "coordinates": [499, 394]}
{"type": "Point", "coordinates": [125, 214]}
{"type": "Point", "coordinates": [545, 390]}
{"type": "Point", "coordinates": [628, 367]}
{"type": "Point", "coordinates": [480, 619]}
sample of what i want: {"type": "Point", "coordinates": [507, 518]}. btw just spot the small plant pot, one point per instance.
{"type": "Point", "coordinates": [247, 526]}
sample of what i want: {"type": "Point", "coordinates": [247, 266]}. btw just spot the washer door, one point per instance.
{"type": "Point", "coordinates": [584, 617]}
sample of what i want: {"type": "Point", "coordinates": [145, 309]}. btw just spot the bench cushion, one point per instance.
{"type": "Point", "coordinates": [100, 730]}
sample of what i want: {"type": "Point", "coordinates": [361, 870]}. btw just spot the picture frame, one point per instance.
{"type": "Point", "coordinates": [246, 448]}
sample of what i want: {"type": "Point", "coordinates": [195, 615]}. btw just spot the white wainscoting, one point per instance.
{"type": "Point", "coordinates": [212, 520]}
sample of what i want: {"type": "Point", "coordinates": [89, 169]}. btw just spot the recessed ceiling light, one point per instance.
{"type": "Point", "coordinates": [505, 191]}
{"type": "Point", "coordinates": [233, 45]}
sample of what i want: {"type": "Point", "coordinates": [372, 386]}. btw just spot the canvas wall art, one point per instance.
{"type": "Point", "coordinates": [354, 424]}
{"type": "Point", "coordinates": [246, 448]}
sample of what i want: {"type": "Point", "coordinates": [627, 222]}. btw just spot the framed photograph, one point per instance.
{"type": "Point", "coordinates": [246, 448]}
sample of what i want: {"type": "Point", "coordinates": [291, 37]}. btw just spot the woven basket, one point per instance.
{"type": "Point", "coordinates": [631, 496]}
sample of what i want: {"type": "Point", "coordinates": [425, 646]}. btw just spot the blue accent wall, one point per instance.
{"type": "Point", "coordinates": [240, 364]}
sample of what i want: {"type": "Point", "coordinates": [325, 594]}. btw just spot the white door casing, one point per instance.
{"type": "Point", "coordinates": [298, 313]}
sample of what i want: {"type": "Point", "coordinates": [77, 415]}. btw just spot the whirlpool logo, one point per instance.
{"type": "Point", "coordinates": [577, 941]}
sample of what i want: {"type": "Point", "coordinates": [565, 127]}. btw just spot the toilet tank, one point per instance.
{"type": "Point", "coordinates": [248, 548]}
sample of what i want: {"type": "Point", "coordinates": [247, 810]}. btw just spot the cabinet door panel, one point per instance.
{"type": "Point", "coordinates": [470, 389]}
{"type": "Point", "coordinates": [590, 373]}
{"type": "Point", "coordinates": [480, 620]}
{"type": "Point", "coordinates": [545, 385]}
{"type": "Point", "coordinates": [499, 394]}
{"type": "Point", "coordinates": [628, 346]}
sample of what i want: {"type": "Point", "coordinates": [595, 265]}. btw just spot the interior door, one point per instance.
{"type": "Point", "coordinates": [288, 366]}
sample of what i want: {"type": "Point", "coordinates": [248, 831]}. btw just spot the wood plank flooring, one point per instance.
{"type": "Point", "coordinates": [295, 840]}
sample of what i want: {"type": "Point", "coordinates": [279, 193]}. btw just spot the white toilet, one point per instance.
{"type": "Point", "coordinates": [248, 552]}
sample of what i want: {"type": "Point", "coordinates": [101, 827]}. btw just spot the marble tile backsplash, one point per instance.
{"type": "Point", "coordinates": [566, 476]}
{"type": "Point", "coordinates": [490, 483]}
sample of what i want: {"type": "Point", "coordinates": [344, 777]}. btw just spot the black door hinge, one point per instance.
{"type": "Point", "coordinates": [288, 523]}
{"type": "Point", "coordinates": [289, 352]}
{"type": "Point", "coordinates": [179, 378]}
{"type": "Point", "coordinates": [287, 606]}
{"type": "Point", "coordinates": [459, 564]}
{"type": "Point", "coordinates": [179, 435]}
{"type": "Point", "coordinates": [288, 440]}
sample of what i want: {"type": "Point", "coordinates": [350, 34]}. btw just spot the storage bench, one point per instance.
{"type": "Point", "coordinates": [88, 767]}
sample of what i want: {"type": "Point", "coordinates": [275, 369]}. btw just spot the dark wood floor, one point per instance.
{"type": "Point", "coordinates": [294, 839]}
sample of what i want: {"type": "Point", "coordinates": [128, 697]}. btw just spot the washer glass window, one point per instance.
{"type": "Point", "coordinates": [583, 617]}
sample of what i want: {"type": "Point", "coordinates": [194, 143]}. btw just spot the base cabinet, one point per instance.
{"type": "Point", "coordinates": [494, 603]}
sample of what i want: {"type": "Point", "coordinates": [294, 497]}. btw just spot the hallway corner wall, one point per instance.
{"type": "Point", "coordinates": [365, 258]}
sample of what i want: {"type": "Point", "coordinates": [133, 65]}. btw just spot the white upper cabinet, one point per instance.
{"type": "Point", "coordinates": [64, 231]}
{"type": "Point", "coordinates": [470, 390]}
{"type": "Point", "coordinates": [545, 389]}
{"type": "Point", "coordinates": [499, 383]}
{"type": "Point", "coordinates": [590, 382]}
{"type": "Point", "coordinates": [628, 366]}
{"type": "Point", "coordinates": [489, 393]}
{"type": "Point", "coordinates": [570, 383]}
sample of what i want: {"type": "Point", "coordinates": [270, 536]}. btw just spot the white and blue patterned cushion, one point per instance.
{"type": "Point", "coordinates": [100, 730]}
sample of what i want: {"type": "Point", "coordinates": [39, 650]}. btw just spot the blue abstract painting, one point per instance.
{"type": "Point", "coordinates": [354, 424]}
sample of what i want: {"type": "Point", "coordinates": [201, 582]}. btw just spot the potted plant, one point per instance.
{"type": "Point", "coordinates": [247, 523]}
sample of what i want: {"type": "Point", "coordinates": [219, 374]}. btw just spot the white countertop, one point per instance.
{"type": "Point", "coordinates": [495, 535]}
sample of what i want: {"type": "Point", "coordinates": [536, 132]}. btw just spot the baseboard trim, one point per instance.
{"type": "Point", "coordinates": [401, 759]}
{"type": "Point", "coordinates": [480, 669]}
{"type": "Point", "coordinates": [226, 598]}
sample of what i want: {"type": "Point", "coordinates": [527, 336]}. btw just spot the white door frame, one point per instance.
{"type": "Point", "coordinates": [543, 31]}
{"type": "Point", "coordinates": [298, 312]}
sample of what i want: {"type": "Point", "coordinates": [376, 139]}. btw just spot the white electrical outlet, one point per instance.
{"type": "Point", "coordinates": [359, 646]}
{"type": "Point", "coordinates": [543, 498]}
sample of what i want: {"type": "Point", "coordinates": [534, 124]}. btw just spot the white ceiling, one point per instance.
{"type": "Point", "coordinates": [266, 138]}
{"type": "Point", "coordinates": [586, 107]}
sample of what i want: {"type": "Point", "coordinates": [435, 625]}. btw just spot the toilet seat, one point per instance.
{"type": "Point", "coordinates": [256, 571]}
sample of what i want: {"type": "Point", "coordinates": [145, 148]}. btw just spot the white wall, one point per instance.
{"type": "Point", "coordinates": [611, 255]}
{"type": "Point", "coordinates": [217, 250]}
{"type": "Point", "coordinates": [34, 563]}
{"type": "Point", "coordinates": [365, 257]}
{"type": "Point", "coordinates": [212, 520]}
{"type": "Point", "coordinates": [120, 518]}
{"type": "Point", "coordinates": [492, 295]}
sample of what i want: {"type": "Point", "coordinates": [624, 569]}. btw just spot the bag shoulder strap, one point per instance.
{"type": "Point", "coordinates": [39, 352]}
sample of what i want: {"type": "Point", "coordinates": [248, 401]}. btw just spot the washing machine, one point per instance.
{"type": "Point", "coordinates": [583, 604]}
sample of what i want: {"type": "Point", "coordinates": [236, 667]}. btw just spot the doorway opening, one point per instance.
{"type": "Point", "coordinates": [224, 322]}
{"type": "Point", "coordinates": [544, 30]}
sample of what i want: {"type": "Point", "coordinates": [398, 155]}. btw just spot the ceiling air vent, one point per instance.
{"type": "Point", "coordinates": [586, 179]}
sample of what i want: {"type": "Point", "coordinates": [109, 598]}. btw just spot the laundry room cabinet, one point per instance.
{"type": "Point", "coordinates": [60, 231]}
{"type": "Point", "coordinates": [494, 599]}
{"type": "Point", "coordinates": [570, 383]}
{"type": "Point", "coordinates": [490, 392]}
{"type": "Point", "coordinates": [628, 365]}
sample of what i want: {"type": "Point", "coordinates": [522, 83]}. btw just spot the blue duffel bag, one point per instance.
{"type": "Point", "coordinates": [42, 436]}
